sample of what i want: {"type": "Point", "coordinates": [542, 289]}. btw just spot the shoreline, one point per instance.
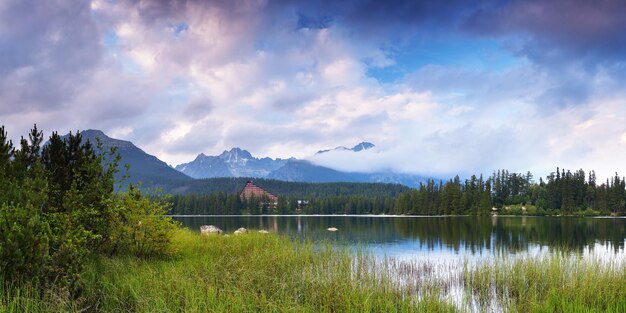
{"type": "Point", "coordinates": [382, 215]}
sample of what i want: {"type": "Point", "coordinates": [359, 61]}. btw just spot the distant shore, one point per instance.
{"type": "Point", "coordinates": [383, 215]}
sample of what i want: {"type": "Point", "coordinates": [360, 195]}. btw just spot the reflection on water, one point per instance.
{"type": "Point", "coordinates": [433, 236]}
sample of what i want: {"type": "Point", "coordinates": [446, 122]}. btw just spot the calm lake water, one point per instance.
{"type": "Point", "coordinates": [442, 238]}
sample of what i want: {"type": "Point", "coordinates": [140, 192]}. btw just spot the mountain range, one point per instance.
{"type": "Point", "coordinates": [237, 162]}
{"type": "Point", "coordinates": [233, 163]}
{"type": "Point", "coordinates": [240, 163]}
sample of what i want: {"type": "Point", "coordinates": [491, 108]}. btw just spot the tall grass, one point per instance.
{"type": "Point", "coordinates": [249, 273]}
{"type": "Point", "coordinates": [269, 273]}
{"type": "Point", "coordinates": [29, 298]}
{"type": "Point", "coordinates": [558, 282]}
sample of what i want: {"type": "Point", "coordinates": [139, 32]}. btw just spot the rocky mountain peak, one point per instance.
{"type": "Point", "coordinates": [358, 147]}
{"type": "Point", "coordinates": [362, 146]}
{"type": "Point", "coordinates": [236, 155]}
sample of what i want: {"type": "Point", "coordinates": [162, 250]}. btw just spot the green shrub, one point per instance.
{"type": "Point", "coordinates": [57, 206]}
{"type": "Point", "coordinates": [138, 226]}
{"type": "Point", "coordinates": [68, 252]}
{"type": "Point", "coordinates": [25, 241]}
{"type": "Point", "coordinates": [42, 249]}
{"type": "Point", "coordinates": [588, 212]}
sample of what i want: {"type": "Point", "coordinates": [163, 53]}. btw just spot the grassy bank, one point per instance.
{"type": "Point", "coordinates": [268, 273]}
{"type": "Point", "coordinates": [249, 273]}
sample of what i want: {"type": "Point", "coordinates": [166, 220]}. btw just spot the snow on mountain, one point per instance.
{"type": "Point", "coordinates": [234, 163]}
{"type": "Point", "coordinates": [359, 147]}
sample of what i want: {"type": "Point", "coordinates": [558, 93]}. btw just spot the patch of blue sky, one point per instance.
{"type": "Point", "coordinates": [130, 66]}
{"type": "Point", "coordinates": [179, 28]}
{"type": "Point", "coordinates": [110, 39]}
{"type": "Point", "coordinates": [471, 54]}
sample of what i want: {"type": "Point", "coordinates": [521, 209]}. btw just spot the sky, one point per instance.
{"type": "Point", "coordinates": [440, 87]}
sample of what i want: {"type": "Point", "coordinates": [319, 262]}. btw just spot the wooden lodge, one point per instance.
{"type": "Point", "coordinates": [253, 191]}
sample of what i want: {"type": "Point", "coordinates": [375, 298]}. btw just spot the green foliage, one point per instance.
{"type": "Point", "coordinates": [37, 246]}
{"type": "Point", "coordinates": [138, 226]}
{"type": "Point", "coordinates": [25, 238]}
{"type": "Point", "coordinates": [221, 196]}
{"type": "Point", "coordinates": [250, 273]}
{"type": "Point", "coordinates": [563, 193]}
{"type": "Point", "coordinates": [68, 252]}
{"type": "Point", "coordinates": [234, 185]}
{"type": "Point", "coordinates": [555, 283]}
{"type": "Point", "coordinates": [57, 206]}
{"type": "Point", "coordinates": [268, 273]}
{"type": "Point", "coordinates": [221, 203]}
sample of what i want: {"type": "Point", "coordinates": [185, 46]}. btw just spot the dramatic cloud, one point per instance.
{"type": "Point", "coordinates": [440, 87]}
{"type": "Point", "coordinates": [49, 51]}
{"type": "Point", "coordinates": [554, 31]}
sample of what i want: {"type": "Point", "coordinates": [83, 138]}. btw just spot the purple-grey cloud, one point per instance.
{"type": "Point", "coordinates": [556, 31]}
{"type": "Point", "coordinates": [288, 78]}
{"type": "Point", "coordinates": [48, 52]}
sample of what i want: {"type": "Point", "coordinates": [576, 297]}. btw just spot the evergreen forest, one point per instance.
{"type": "Point", "coordinates": [563, 192]}
{"type": "Point", "coordinates": [58, 209]}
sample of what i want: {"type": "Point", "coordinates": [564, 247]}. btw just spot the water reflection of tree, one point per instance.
{"type": "Point", "coordinates": [471, 233]}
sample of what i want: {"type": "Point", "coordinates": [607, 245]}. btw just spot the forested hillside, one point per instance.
{"type": "Point", "coordinates": [221, 196]}
{"type": "Point", "coordinates": [561, 193]}
{"type": "Point", "coordinates": [232, 185]}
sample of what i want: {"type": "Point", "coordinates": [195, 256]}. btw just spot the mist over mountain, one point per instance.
{"type": "Point", "coordinates": [151, 172]}
{"type": "Point", "coordinates": [358, 147]}
{"type": "Point", "coordinates": [240, 163]}
{"type": "Point", "coordinates": [305, 171]}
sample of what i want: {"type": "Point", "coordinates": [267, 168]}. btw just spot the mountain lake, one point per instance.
{"type": "Point", "coordinates": [439, 238]}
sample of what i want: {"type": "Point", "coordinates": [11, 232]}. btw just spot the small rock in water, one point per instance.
{"type": "Point", "coordinates": [210, 229]}
{"type": "Point", "coordinates": [263, 231]}
{"type": "Point", "coordinates": [332, 229]}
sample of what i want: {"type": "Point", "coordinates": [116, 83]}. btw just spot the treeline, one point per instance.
{"type": "Point", "coordinates": [234, 185]}
{"type": "Point", "coordinates": [563, 192]}
{"type": "Point", "coordinates": [220, 203]}
{"type": "Point", "coordinates": [217, 196]}
{"type": "Point", "coordinates": [58, 208]}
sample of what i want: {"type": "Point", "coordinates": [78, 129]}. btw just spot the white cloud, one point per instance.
{"type": "Point", "coordinates": [240, 76]}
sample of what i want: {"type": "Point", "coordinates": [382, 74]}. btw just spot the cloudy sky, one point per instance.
{"type": "Point", "coordinates": [441, 87]}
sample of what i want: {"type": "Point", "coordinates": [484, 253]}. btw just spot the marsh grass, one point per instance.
{"type": "Point", "coordinates": [558, 282]}
{"type": "Point", "coordinates": [271, 273]}
{"type": "Point", "coordinates": [28, 298]}
{"type": "Point", "coordinates": [248, 273]}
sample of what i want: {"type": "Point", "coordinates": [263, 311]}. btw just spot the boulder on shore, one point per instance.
{"type": "Point", "coordinates": [241, 230]}
{"type": "Point", "coordinates": [209, 230]}
{"type": "Point", "coordinates": [263, 231]}
{"type": "Point", "coordinates": [332, 229]}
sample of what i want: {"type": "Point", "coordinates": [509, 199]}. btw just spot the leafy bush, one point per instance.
{"type": "Point", "coordinates": [68, 252]}
{"type": "Point", "coordinates": [57, 206]}
{"type": "Point", "coordinates": [24, 243]}
{"type": "Point", "coordinates": [139, 227]}
{"type": "Point", "coordinates": [42, 249]}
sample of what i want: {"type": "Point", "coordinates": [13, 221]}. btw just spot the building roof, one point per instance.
{"type": "Point", "coordinates": [251, 190]}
